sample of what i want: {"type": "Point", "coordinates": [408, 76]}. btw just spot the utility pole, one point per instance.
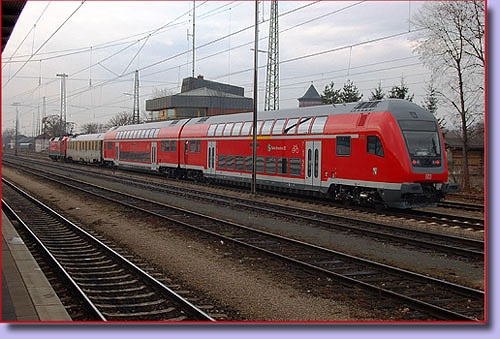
{"type": "Point", "coordinates": [255, 95]}
{"type": "Point", "coordinates": [44, 112]}
{"type": "Point", "coordinates": [17, 125]}
{"type": "Point", "coordinates": [194, 6]}
{"type": "Point", "coordinates": [272, 72]}
{"type": "Point", "coordinates": [62, 117]}
{"type": "Point", "coordinates": [135, 116]}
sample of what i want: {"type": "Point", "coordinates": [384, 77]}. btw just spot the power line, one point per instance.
{"type": "Point", "coordinates": [46, 41]}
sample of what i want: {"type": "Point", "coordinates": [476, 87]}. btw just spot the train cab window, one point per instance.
{"type": "Point", "coordinates": [173, 146]}
{"type": "Point", "coordinates": [211, 130]}
{"type": "Point", "coordinates": [247, 126]}
{"type": "Point", "coordinates": [318, 125]}
{"type": "Point", "coordinates": [283, 166]}
{"type": "Point", "coordinates": [374, 146]}
{"type": "Point", "coordinates": [227, 129]}
{"type": "Point", "coordinates": [266, 128]}
{"type": "Point", "coordinates": [220, 128]}
{"type": "Point", "coordinates": [291, 126]}
{"type": "Point", "coordinates": [237, 128]}
{"type": "Point", "coordinates": [304, 124]}
{"type": "Point", "coordinates": [278, 127]}
{"type": "Point", "coordinates": [343, 147]}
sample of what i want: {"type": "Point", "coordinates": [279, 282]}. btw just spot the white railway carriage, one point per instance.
{"type": "Point", "coordinates": [85, 148]}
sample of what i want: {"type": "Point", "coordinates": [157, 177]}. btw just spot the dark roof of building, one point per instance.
{"type": "Point", "coordinates": [10, 13]}
{"type": "Point", "coordinates": [311, 95]}
{"type": "Point", "coordinates": [207, 92]}
{"type": "Point", "coordinates": [189, 84]}
{"type": "Point", "coordinates": [453, 139]}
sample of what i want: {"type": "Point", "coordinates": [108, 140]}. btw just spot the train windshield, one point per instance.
{"type": "Point", "coordinates": [423, 142]}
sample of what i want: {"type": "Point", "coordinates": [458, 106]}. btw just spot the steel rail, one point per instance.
{"type": "Point", "coordinates": [186, 306]}
{"type": "Point", "coordinates": [207, 224]}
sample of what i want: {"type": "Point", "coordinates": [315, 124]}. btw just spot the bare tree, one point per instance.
{"type": "Point", "coordinates": [120, 119]}
{"type": "Point", "coordinates": [52, 126]}
{"type": "Point", "coordinates": [92, 127]}
{"type": "Point", "coordinates": [452, 45]}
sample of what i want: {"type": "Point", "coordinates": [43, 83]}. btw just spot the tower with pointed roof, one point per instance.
{"type": "Point", "coordinates": [311, 98]}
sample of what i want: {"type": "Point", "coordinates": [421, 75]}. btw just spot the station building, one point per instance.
{"type": "Point", "coordinates": [200, 98]}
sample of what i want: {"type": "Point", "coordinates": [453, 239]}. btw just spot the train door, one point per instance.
{"type": "Point", "coordinates": [211, 157]}
{"type": "Point", "coordinates": [153, 156]}
{"type": "Point", "coordinates": [313, 163]}
{"type": "Point", "coordinates": [117, 153]}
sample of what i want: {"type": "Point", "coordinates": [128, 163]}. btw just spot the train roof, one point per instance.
{"type": "Point", "coordinates": [400, 109]}
{"type": "Point", "coordinates": [86, 137]}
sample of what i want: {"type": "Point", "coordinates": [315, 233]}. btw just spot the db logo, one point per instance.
{"type": "Point", "coordinates": [428, 176]}
{"type": "Point", "coordinates": [295, 149]}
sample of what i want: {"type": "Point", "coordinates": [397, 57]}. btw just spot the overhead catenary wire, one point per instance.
{"type": "Point", "coordinates": [44, 43]}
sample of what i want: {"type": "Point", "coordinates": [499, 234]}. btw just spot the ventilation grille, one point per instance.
{"type": "Point", "coordinates": [363, 106]}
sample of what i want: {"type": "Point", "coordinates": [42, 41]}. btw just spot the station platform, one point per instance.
{"type": "Point", "coordinates": [27, 296]}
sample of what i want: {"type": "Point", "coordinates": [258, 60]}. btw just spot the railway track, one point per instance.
{"type": "Point", "coordinates": [429, 297]}
{"type": "Point", "coordinates": [461, 205]}
{"type": "Point", "coordinates": [112, 287]}
{"type": "Point", "coordinates": [460, 246]}
{"type": "Point", "coordinates": [431, 217]}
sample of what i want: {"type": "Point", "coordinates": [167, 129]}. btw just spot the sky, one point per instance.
{"type": "Point", "coordinates": [102, 43]}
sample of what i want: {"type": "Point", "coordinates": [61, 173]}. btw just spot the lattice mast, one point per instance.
{"type": "Point", "coordinates": [62, 117]}
{"type": "Point", "coordinates": [272, 100]}
{"type": "Point", "coordinates": [135, 117]}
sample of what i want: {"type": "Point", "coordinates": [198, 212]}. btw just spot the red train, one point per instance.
{"type": "Point", "coordinates": [389, 152]}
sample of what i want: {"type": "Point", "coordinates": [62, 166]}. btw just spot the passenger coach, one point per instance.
{"type": "Point", "coordinates": [389, 152]}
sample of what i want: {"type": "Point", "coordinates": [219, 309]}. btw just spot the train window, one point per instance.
{"type": "Point", "coordinates": [148, 157]}
{"type": "Point", "coordinates": [230, 162]}
{"type": "Point", "coordinates": [343, 147]}
{"type": "Point", "coordinates": [198, 146]}
{"type": "Point", "coordinates": [316, 163]}
{"type": "Point", "coordinates": [296, 167]}
{"type": "Point", "coordinates": [237, 128]}
{"type": "Point", "coordinates": [211, 130]}
{"type": "Point", "coordinates": [309, 162]}
{"type": "Point", "coordinates": [157, 131]}
{"type": "Point", "coordinates": [303, 127]}
{"type": "Point", "coordinates": [278, 127]}
{"type": "Point", "coordinates": [173, 146]}
{"type": "Point", "coordinates": [259, 164]}
{"type": "Point", "coordinates": [247, 126]}
{"type": "Point", "coordinates": [270, 165]}
{"type": "Point", "coordinates": [238, 162]}
{"type": "Point", "coordinates": [151, 133]}
{"type": "Point", "coordinates": [318, 125]}
{"type": "Point", "coordinates": [221, 161]}
{"type": "Point", "coordinates": [227, 130]}
{"type": "Point", "coordinates": [266, 128]}
{"type": "Point", "coordinates": [167, 146]}
{"type": "Point", "coordinates": [192, 146]}
{"type": "Point", "coordinates": [220, 128]}
{"type": "Point", "coordinates": [186, 146]}
{"type": "Point", "coordinates": [374, 145]}
{"type": "Point", "coordinates": [248, 164]}
{"type": "Point", "coordinates": [283, 166]}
